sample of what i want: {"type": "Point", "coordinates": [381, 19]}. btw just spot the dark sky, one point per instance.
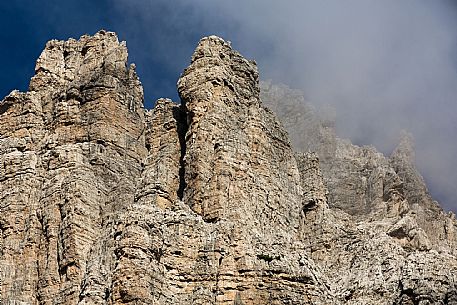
{"type": "Point", "coordinates": [383, 65]}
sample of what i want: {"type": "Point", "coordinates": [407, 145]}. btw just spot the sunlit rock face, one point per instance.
{"type": "Point", "coordinates": [203, 202]}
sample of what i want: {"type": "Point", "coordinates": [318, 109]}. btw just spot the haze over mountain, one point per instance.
{"type": "Point", "coordinates": [384, 66]}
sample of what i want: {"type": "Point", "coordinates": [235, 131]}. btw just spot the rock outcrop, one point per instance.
{"type": "Point", "coordinates": [206, 202]}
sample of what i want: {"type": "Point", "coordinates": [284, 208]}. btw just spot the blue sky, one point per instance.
{"type": "Point", "coordinates": [384, 65]}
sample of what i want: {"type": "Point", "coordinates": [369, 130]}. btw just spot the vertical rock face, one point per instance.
{"type": "Point", "coordinates": [162, 180]}
{"type": "Point", "coordinates": [238, 159]}
{"type": "Point", "coordinates": [103, 202]}
{"type": "Point", "coordinates": [238, 165]}
{"type": "Point", "coordinates": [72, 149]}
{"type": "Point", "coordinates": [106, 203]}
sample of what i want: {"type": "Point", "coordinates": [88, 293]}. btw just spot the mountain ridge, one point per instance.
{"type": "Point", "coordinates": [105, 202]}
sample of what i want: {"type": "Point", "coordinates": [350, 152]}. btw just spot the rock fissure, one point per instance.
{"type": "Point", "coordinates": [180, 116]}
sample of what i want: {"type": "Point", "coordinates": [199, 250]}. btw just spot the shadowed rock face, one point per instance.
{"type": "Point", "coordinates": [104, 202]}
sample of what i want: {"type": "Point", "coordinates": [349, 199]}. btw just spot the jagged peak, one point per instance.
{"type": "Point", "coordinates": [215, 64]}
{"type": "Point", "coordinates": [64, 61]}
{"type": "Point", "coordinates": [405, 149]}
{"type": "Point", "coordinates": [211, 46]}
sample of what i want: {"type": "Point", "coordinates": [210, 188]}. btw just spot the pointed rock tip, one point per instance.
{"type": "Point", "coordinates": [65, 61]}
{"type": "Point", "coordinates": [215, 64]}
{"type": "Point", "coordinates": [164, 101]}
{"type": "Point", "coordinates": [101, 33]}
{"type": "Point", "coordinates": [213, 39]}
{"type": "Point", "coordinates": [212, 46]}
{"type": "Point", "coordinates": [406, 141]}
{"type": "Point", "coordinates": [405, 148]}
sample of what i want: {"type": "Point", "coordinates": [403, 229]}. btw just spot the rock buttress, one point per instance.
{"type": "Point", "coordinates": [242, 179]}
{"type": "Point", "coordinates": [72, 149]}
{"type": "Point", "coordinates": [236, 150]}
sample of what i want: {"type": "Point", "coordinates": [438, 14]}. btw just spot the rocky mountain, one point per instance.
{"type": "Point", "coordinates": [211, 201]}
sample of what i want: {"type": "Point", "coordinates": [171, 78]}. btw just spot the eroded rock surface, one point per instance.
{"type": "Point", "coordinates": [382, 226]}
{"type": "Point", "coordinates": [104, 202]}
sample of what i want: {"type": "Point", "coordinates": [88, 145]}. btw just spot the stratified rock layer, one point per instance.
{"type": "Point", "coordinates": [104, 202]}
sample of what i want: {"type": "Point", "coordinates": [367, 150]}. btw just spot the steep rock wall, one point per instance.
{"type": "Point", "coordinates": [104, 202]}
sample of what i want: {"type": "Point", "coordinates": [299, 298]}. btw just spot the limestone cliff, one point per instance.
{"type": "Point", "coordinates": [206, 202]}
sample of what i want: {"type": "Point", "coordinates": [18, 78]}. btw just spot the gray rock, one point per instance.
{"type": "Point", "coordinates": [104, 202]}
